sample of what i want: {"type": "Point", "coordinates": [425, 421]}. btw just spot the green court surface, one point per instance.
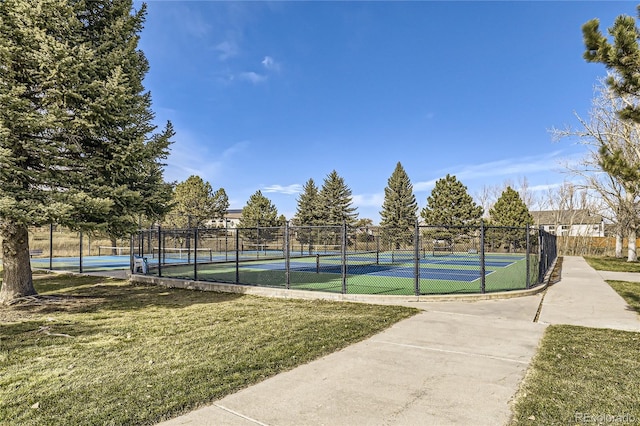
{"type": "Point", "coordinates": [455, 273]}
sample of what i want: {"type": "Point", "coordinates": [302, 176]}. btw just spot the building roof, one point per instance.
{"type": "Point", "coordinates": [234, 214]}
{"type": "Point", "coordinates": [565, 217]}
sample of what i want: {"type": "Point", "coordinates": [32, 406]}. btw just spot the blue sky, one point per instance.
{"type": "Point", "coordinates": [265, 95]}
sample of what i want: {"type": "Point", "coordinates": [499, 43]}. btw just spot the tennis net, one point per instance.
{"type": "Point", "coordinates": [183, 253]}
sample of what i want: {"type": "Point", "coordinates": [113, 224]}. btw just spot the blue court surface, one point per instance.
{"type": "Point", "coordinates": [431, 267]}
{"type": "Point", "coordinates": [436, 268]}
{"type": "Point", "coordinates": [377, 270]}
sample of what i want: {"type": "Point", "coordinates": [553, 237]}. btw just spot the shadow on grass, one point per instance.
{"type": "Point", "coordinates": [633, 300]}
{"type": "Point", "coordinates": [629, 291]}
{"type": "Point", "coordinates": [87, 294]}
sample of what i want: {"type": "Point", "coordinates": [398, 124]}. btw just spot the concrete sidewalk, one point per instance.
{"type": "Point", "coordinates": [583, 298]}
{"type": "Point", "coordinates": [455, 363]}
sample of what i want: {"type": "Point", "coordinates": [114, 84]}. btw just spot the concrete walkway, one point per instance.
{"type": "Point", "coordinates": [584, 298]}
{"type": "Point", "coordinates": [455, 363]}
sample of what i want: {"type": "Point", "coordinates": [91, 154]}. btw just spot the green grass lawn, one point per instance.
{"type": "Point", "coordinates": [629, 291]}
{"type": "Point", "coordinates": [584, 375]}
{"type": "Point", "coordinates": [103, 351]}
{"type": "Point", "coordinates": [581, 371]}
{"type": "Point", "coordinates": [612, 264]}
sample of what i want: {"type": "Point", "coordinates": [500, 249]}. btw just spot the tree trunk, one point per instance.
{"type": "Point", "coordinates": [18, 281]}
{"type": "Point", "coordinates": [114, 243]}
{"type": "Point", "coordinates": [631, 246]}
{"type": "Point", "coordinates": [619, 245]}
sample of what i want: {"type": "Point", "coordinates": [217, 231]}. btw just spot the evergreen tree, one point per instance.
{"type": "Point", "coordinates": [76, 142]}
{"type": "Point", "coordinates": [335, 201]}
{"type": "Point", "coordinates": [121, 116]}
{"type": "Point", "coordinates": [451, 205]}
{"type": "Point", "coordinates": [220, 204]}
{"type": "Point", "coordinates": [622, 57]}
{"type": "Point", "coordinates": [399, 209]}
{"type": "Point", "coordinates": [451, 208]}
{"type": "Point", "coordinates": [308, 214]}
{"type": "Point", "coordinates": [511, 212]}
{"type": "Point", "coordinates": [194, 203]}
{"type": "Point", "coordinates": [259, 212]}
{"type": "Point", "coordinates": [309, 211]}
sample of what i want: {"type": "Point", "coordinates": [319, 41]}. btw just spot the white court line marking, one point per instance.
{"type": "Point", "coordinates": [240, 415]}
{"type": "Point", "coordinates": [453, 352]}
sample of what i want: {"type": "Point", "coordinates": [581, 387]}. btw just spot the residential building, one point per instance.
{"type": "Point", "coordinates": [232, 219]}
{"type": "Point", "coordinates": [573, 223]}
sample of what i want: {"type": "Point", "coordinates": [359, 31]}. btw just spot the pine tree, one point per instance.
{"type": "Point", "coordinates": [335, 201]}
{"type": "Point", "coordinates": [259, 216]}
{"type": "Point", "coordinates": [121, 116]}
{"type": "Point", "coordinates": [76, 147]}
{"type": "Point", "coordinates": [451, 205]}
{"type": "Point", "coordinates": [510, 212]}
{"type": "Point", "coordinates": [399, 209]}
{"type": "Point", "coordinates": [622, 57]}
{"type": "Point", "coordinates": [451, 208]}
{"type": "Point", "coordinates": [220, 204]}
{"type": "Point", "coordinates": [308, 211]}
{"type": "Point", "coordinates": [193, 202]}
{"type": "Point", "coordinates": [308, 214]}
{"type": "Point", "coordinates": [259, 212]}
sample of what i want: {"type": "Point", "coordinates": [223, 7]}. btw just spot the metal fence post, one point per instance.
{"type": "Point", "coordinates": [131, 263]}
{"type": "Point", "coordinates": [528, 284]}
{"type": "Point", "coordinates": [188, 240]}
{"type": "Point", "coordinates": [159, 251]}
{"type": "Point", "coordinates": [287, 260]}
{"type": "Point", "coordinates": [482, 259]}
{"type": "Point", "coordinates": [343, 254]}
{"type": "Point", "coordinates": [195, 254]}
{"type": "Point", "coordinates": [237, 256]}
{"type": "Point", "coordinates": [80, 252]}
{"type": "Point", "coordinates": [416, 259]}
{"type": "Point", "coordinates": [51, 246]}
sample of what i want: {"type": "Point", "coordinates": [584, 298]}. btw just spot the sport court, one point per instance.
{"type": "Point", "coordinates": [364, 273]}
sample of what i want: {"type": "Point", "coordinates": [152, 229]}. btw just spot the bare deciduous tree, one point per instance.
{"type": "Point", "coordinates": [612, 164]}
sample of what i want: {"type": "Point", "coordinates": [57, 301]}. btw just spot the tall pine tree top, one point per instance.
{"type": "Point", "coordinates": [259, 212]}
{"type": "Point", "coordinates": [399, 208]}
{"type": "Point", "coordinates": [510, 210]}
{"type": "Point", "coordinates": [194, 202]}
{"type": "Point", "coordinates": [336, 200]}
{"type": "Point", "coordinates": [76, 131]}
{"type": "Point", "coordinates": [451, 205]}
{"type": "Point", "coordinates": [309, 210]}
{"type": "Point", "coordinates": [622, 57]}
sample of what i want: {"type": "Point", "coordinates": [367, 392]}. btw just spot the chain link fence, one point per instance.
{"type": "Point", "coordinates": [370, 260]}
{"type": "Point", "coordinates": [56, 247]}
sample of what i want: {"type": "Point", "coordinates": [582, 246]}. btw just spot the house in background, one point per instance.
{"type": "Point", "coordinates": [572, 223]}
{"type": "Point", "coordinates": [233, 219]}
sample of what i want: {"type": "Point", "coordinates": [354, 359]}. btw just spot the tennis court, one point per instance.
{"type": "Point", "coordinates": [89, 263]}
{"type": "Point", "coordinates": [366, 273]}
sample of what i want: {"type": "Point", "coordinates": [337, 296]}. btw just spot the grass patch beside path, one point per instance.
{"type": "Point", "coordinates": [582, 376]}
{"type": "Point", "coordinates": [103, 351]}
{"type": "Point", "coordinates": [629, 291]}
{"type": "Point", "coordinates": [612, 264]}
